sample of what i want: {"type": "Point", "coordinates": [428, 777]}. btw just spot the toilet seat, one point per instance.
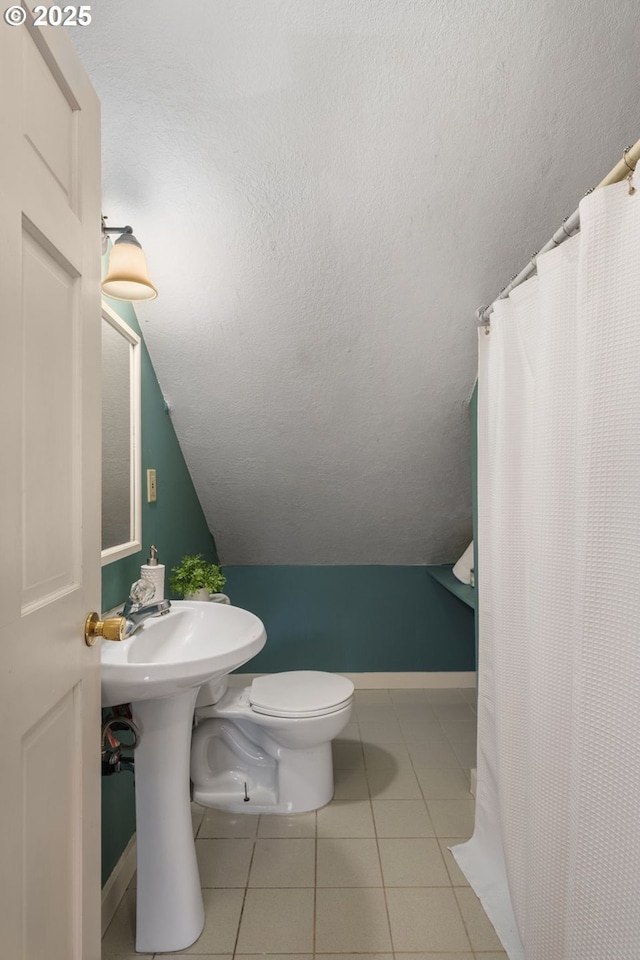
{"type": "Point", "coordinates": [299, 693]}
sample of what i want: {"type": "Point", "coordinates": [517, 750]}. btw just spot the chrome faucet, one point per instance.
{"type": "Point", "coordinates": [137, 609]}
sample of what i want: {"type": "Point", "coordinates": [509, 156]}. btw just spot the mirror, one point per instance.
{"type": "Point", "coordinates": [121, 460]}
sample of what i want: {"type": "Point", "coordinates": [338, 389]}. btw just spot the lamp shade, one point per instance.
{"type": "Point", "coordinates": [127, 277]}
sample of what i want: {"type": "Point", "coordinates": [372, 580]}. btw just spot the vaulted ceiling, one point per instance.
{"type": "Point", "coordinates": [326, 190]}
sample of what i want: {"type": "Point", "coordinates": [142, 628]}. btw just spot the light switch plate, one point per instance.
{"type": "Point", "coordinates": [152, 490]}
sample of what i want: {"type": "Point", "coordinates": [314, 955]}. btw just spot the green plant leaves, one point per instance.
{"type": "Point", "coordinates": [195, 573]}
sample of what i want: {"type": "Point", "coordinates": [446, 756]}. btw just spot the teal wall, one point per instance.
{"type": "Point", "coordinates": [354, 619]}
{"type": "Point", "coordinates": [176, 525]}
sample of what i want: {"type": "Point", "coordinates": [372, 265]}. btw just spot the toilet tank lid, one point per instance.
{"type": "Point", "coordinates": [299, 692]}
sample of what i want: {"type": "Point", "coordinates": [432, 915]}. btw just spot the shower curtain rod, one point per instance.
{"type": "Point", "coordinates": [570, 226]}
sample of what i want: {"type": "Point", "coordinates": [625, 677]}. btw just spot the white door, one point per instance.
{"type": "Point", "coordinates": [49, 499]}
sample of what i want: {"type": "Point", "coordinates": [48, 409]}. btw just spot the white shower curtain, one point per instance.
{"type": "Point", "coordinates": [555, 856]}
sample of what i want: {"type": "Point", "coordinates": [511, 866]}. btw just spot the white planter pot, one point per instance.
{"type": "Point", "coordinates": [198, 595]}
{"type": "Point", "coordinates": [205, 595]}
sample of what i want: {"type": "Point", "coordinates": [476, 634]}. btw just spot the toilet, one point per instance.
{"type": "Point", "coordinates": [266, 748]}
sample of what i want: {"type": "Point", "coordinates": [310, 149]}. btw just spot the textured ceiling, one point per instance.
{"type": "Point", "coordinates": [326, 190]}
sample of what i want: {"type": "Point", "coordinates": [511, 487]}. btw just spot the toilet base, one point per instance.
{"type": "Point", "coordinates": [224, 760]}
{"type": "Point", "coordinates": [259, 803]}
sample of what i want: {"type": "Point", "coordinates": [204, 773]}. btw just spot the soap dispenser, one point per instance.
{"type": "Point", "coordinates": [154, 572]}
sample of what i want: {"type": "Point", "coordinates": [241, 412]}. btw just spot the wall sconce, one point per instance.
{"type": "Point", "coordinates": [127, 277]}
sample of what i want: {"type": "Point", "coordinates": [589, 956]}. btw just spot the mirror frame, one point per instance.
{"type": "Point", "coordinates": [134, 545]}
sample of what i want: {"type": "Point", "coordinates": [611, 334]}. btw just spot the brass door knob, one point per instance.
{"type": "Point", "coordinates": [111, 629]}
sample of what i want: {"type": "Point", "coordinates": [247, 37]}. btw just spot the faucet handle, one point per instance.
{"type": "Point", "coordinates": [142, 591]}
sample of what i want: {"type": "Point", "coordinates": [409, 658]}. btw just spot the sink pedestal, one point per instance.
{"type": "Point", "coordinates": [170, 911]}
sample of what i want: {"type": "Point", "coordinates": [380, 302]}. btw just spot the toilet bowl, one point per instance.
{"type": "Point", "coordinates": [266, 748]}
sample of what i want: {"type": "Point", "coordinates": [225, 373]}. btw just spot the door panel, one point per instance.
{"type": "Point", "coordinates": [52, 468]}
{"type": "Point", "coordinates": [50, 121]}
{"type": "Point", "coordinates": [51, 865]}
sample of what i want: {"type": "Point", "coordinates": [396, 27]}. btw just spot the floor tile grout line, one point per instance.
{"type": "Point", "coordinates": [384, 886]}
{"type": "Point", "coordinates": [426, 802]}
{"type": "Point", "coordinates": [441, 854]}
{"type": "Point", "coordinates": [315, 884]}
{"type": "Point", "coordinates": [464, 922]}
{"type": "Point", "coordinates": [415, 773]}
{"type": "Point", "coordinates": [453, 747]}
{"type": "Point", "coordinates": [246, 888]}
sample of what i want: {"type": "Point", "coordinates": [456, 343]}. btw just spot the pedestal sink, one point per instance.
{"type": "Point", "coordinates": [159, 671]}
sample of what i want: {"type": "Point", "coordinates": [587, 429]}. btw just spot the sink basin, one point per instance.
{"type": "Point", "coordinates": [159, 670]}
{"type": "Point", "coordinates": [191, 643]}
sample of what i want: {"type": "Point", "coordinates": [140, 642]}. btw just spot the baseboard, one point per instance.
{"type": "Point", "coordinates": [399, 681]}
{"type": "Point", "coordinates": [116, 886]}
{"type": "Point", "coordinates": [393, 681]}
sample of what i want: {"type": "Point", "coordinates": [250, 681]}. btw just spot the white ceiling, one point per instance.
{"type": "Point", "coordinates": [326, 190]}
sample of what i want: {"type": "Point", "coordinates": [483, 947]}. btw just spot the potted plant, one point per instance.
{"type": "Point", "coordinates": [196, 579]}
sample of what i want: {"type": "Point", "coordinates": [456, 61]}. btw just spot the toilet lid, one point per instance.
{"type": "Point", "coordinates": [300, 693]}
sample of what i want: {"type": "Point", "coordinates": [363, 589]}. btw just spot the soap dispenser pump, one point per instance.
{"type": "Point", "coordinates": [154, 572]}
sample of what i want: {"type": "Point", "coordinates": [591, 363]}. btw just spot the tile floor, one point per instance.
{"type": "Point", "coordinates": [369, 876]}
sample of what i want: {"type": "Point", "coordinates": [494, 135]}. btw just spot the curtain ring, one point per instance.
{"type": "Point", "coordinates": [624, 159]}
{"type": "Point", "coordinates": [564, 229]}
{"type": "Point", "coordinates": [631, 169]}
